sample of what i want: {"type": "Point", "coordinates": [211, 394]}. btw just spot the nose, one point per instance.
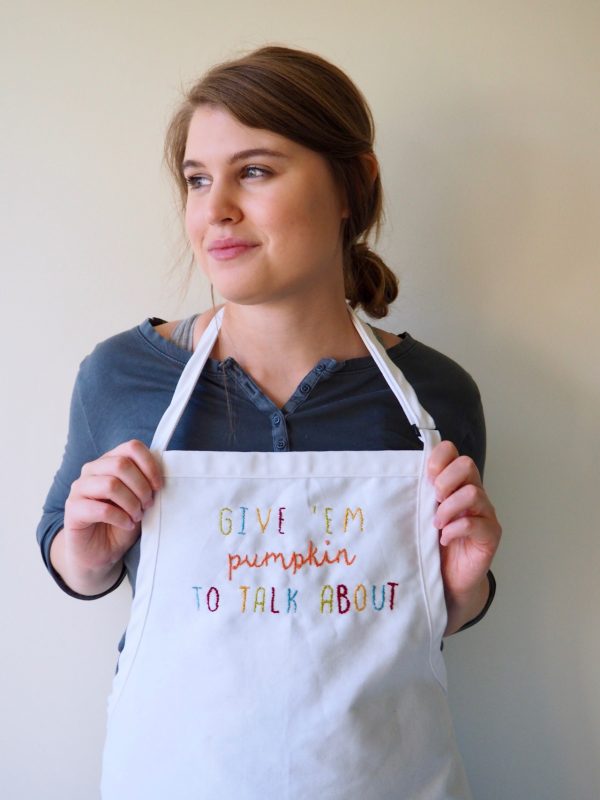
{"type": "Point", "coordinates": [223, 205]}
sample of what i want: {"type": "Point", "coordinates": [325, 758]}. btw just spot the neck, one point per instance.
{"type": "Point", "coordinates": [279, 344]}
{"type": "Point", "coordinates": [253, 334]}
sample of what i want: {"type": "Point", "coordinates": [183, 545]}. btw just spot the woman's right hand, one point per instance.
{"type": "Point", "coordinates": [102, 516]}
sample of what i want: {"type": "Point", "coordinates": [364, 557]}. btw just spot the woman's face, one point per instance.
{"type": "Point", "coordinates": [264, 214]}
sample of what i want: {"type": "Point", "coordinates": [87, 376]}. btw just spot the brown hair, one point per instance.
{"type": "Point", "coordinates": [301, 96]}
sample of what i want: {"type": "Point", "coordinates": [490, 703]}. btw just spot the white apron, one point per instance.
{"type": "Point", "coordinates": [284, 640]}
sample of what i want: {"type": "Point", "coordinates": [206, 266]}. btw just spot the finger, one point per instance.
{"type": "Point", "coordinates": [111, 489]}
{"type": "Point", "coordinates": [145, 461]}
{"type": "Point", "coordinates": [83, 513]}
{"type": "Point", "coordinates": [123, 469]}
{"type": "Point", "coordinates": [468, 500]}
{"type": "Point", "coordinates": [482, 532]}
{"type": "Point", "coordinates": [442, 454]}
{"type": "Point", "coordinates": [460, 472]}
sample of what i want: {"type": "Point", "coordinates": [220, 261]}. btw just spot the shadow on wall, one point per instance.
{"type": "Point", "coordinates": [523, 684]}
{"type": "Point", "coordinates": [499, 225]}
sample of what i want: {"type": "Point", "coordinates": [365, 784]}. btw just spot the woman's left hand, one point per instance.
{"type": "Point", "coordinates": [469, 532]}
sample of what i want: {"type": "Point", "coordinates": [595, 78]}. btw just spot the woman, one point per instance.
{"type": "Point", "coordinates": [286, 634]}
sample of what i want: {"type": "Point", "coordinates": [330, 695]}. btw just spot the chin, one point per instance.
{"type": "Point", "coordinates": [239, 295]}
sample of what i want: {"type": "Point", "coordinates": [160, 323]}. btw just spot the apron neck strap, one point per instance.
{"type": "Point", "coordinates": [405, 394]}
{"type": "Point", "coordinates": [402, 389]}
{"type": "Point", "coordinates": [186, 384]}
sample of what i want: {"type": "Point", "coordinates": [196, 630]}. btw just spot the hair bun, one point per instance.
{"type": "Point", "coordinates": [368, 281]}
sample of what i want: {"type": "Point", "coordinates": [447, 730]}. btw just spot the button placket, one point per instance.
{"type": "Point", "coordinates": [279, 432]}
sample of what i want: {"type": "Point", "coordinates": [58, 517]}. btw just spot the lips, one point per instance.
{"type": "Point", "coordinates": [225, 249]}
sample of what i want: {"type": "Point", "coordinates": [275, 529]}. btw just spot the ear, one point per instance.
{"type": "Point", "coordinates": [344, 205]}
{"type": "Point", "coordinates": [371, 164]}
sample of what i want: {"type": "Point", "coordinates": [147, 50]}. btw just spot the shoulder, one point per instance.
{"type": "Point", "coordinates": [126, 382]}
{"type": "Point", "coordinates": [434, 371]}
{"type": "Point", "coordinates": [130, 361]}
{"type": "Point", "coordinates": [386, 338]}
{"type": "Point", "coordinates": [166, 329]}
{"type": "Point", "coordinates": [145, 343]}
{"type": "Point", "coordinates": [186, 332]}
{"type": "Point", "coordinates": [448, 392]}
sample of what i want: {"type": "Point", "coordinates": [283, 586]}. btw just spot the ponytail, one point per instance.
{"type": "Point", "coordinates": [368, 281]}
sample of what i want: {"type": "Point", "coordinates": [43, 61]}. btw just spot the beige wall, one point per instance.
{"type": "Point", "coordinates": [489, 122]}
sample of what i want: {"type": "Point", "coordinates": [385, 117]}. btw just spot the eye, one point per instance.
{"type": "Point", "coordinates": [197, 181]}
{"type": "Point", "coordinates": [252, 171]}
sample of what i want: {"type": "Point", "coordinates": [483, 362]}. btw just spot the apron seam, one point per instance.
{"type": "Point", "coordinates": [114, 703]}
{"type": "Point", "coordinates": [434, 652]}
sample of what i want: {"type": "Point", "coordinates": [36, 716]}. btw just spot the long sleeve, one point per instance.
{"type": "Point", "coordinates": [80, 449]}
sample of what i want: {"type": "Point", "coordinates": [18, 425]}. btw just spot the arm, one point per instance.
{"type": "Point", "coordinates": [102, 518]}
{"type": "Point", "coordinates": [469, 533]}
{"type": "Point", "coordinates": [110, 405]}
{"type": "Point", "coordinates": [87, 583]}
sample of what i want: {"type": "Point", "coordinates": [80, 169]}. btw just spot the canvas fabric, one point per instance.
{"type": "Point", "coordinates": [284, 639]}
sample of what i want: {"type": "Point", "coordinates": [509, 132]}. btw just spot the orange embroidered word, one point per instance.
{"type": "Point", "coordinates": [340, 598]}
{"type": "Point", "coordinates": [293, 561]}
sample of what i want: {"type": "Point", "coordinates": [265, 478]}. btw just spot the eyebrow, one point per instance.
{"type": "Point", "coordinates": [239, 156]}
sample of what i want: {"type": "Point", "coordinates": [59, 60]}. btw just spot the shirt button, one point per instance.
{"type": "Point", "coordinates": [280, 444]}
{"type": "Point", "coordinates": [305, 388]}
{"type": "Point", "coordinates": [276, 419]}
{"type": "Point", "coordinates": [320, 367]}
